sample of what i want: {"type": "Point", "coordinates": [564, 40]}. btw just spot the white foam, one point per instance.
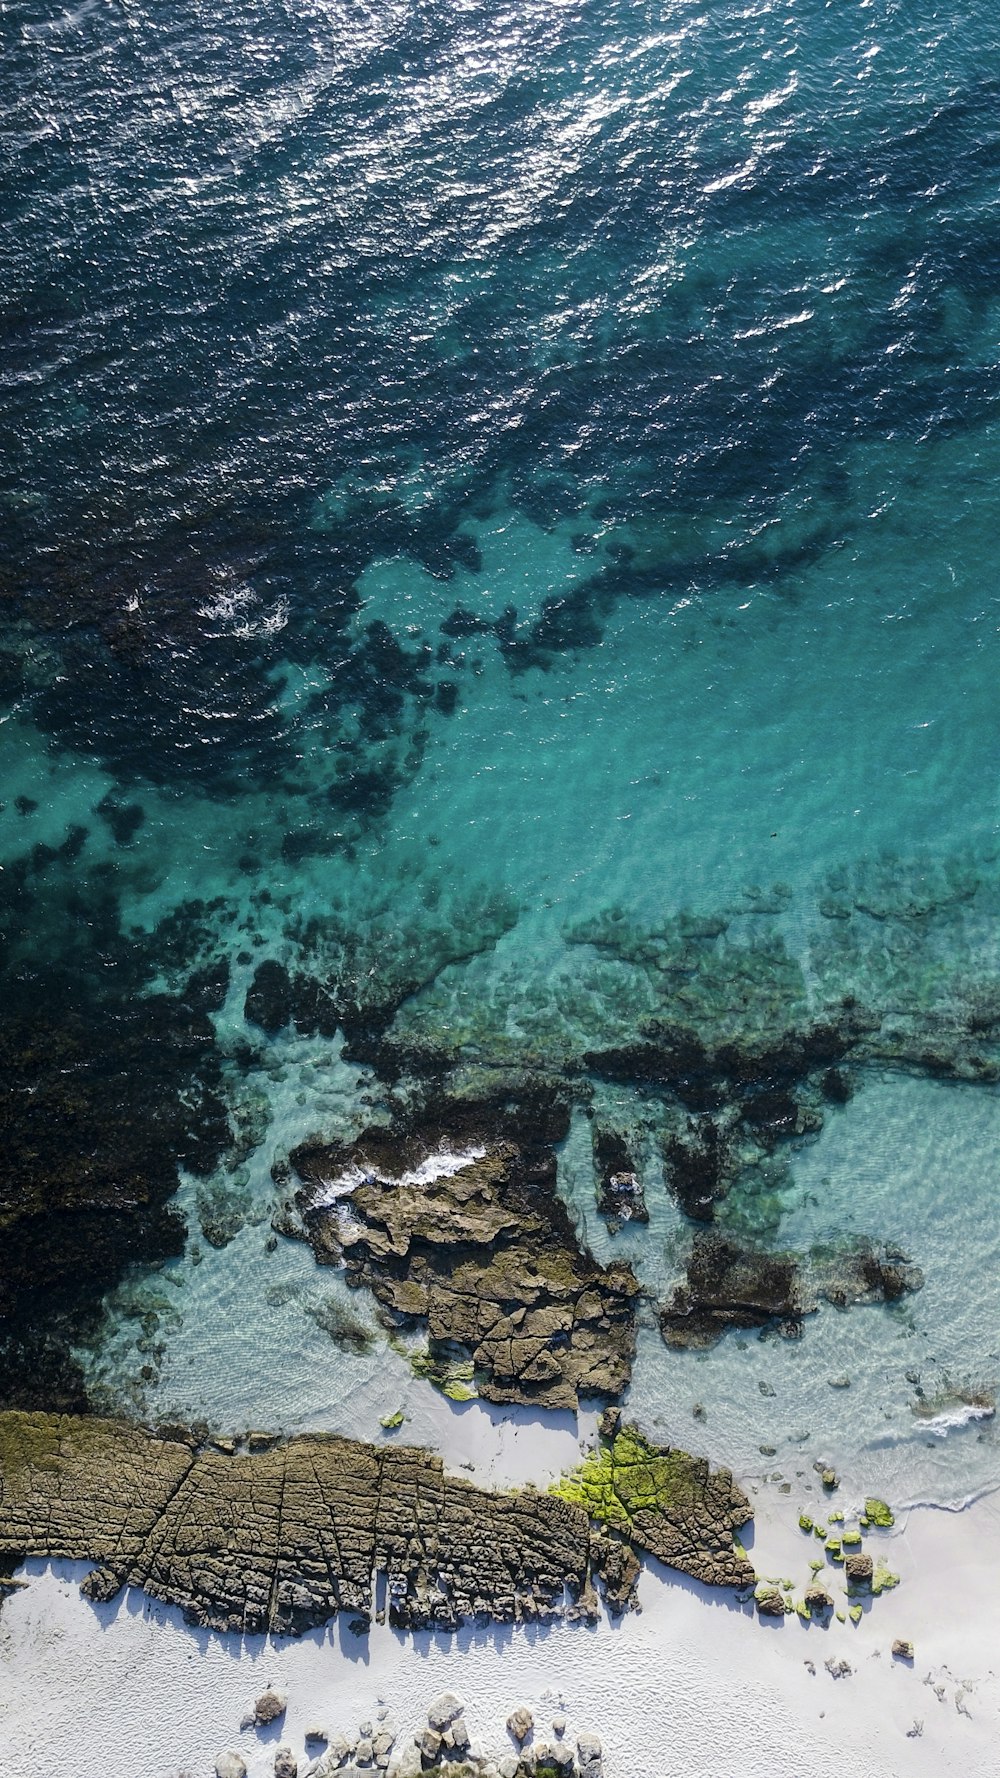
{"type": "Point", "coordinates": [444, 1163]}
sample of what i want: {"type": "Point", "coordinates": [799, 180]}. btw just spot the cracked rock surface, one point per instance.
{"type": "Point", "coordinates": [282, 1536]}
{"type": "Point", "coordinates": [465, 1232]}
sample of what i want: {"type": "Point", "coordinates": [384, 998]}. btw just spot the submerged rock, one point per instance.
{"type": "Point", "coordinates": [732, 1284]}
{"type": "Point", "coordinates": [464, 1231]}
{"type": "Point", "coordinates": [729, 1285]}
{"type": "Point", "coordinates": [620, 1197]}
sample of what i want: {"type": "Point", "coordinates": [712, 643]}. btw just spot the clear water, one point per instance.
{"type": "Point", "coordinates": [663, 343]}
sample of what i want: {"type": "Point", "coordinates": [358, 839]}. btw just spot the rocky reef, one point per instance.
{"type": "Point", "coordinates": [271, 1535]}
{"type": "Point", "coordinates": [731, 1284]}
{"type": "Point", "coordinates": [453, 1226]}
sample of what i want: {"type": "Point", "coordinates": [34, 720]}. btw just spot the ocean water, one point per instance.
{"type": "Point", "coordinates": [488, 492]}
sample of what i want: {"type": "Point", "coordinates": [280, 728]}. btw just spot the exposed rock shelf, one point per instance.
{"type": "Point", "coordinates": [283, 1536]}
{"type": "Point", "coordinates": [464, 1231]}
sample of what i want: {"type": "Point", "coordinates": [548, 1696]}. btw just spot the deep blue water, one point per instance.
{"type": "Point", "coordinates": [465, 469]}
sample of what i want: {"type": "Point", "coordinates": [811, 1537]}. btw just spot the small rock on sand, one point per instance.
{"type": "Point", "coordinates": [230, 1765]}
{"type": "Point", "coordinates": [270, 1707]}
{"type": "Point", "coordinates": [520, 1723]}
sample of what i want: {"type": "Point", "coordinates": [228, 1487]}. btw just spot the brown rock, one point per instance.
{"type": "Point", "coordinates": [520, 1723]}
{"type": "Point", "coordinates": [485, 1255]}
{"type": "Point", "coordinates": [269, 1707]}
{"type": "Point", "coordinates": [859, 1570]}
{"type": "Point", "coordinates": [771, 1603]}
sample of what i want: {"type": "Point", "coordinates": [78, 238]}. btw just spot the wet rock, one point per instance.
{"type": "Point", "coordinates": [230, 1765]}
{"type": "Point", "coordinates": [268, 1001]}
{"type": "Point", "coordinates": [729, 1285]}
{"type": "Point", "coordinates": [466, 1233]}
{"type": "Point", "coordinates": [620, 1197]}
{"type": "Point", "coordinates": [699, 1168]}
{"type": "Point", "coordinates": [859, 1270]}
{"type": "Point", "coordinates": [520, 1723]}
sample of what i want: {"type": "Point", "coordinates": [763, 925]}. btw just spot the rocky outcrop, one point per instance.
{"type": "Point", "coordinates": [462, 1230]}
{"type": "Point", "coordinates": [731, 1284]}
{"type": "Point", "coordinates": [283, 1536]}
{"type": "Point", "coordinates": [667, 1503]}
{"type": "Point", "coordinates": [728, 1285]}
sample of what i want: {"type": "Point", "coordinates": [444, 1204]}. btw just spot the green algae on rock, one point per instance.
{"type": "Point", "coordinates": [666, 1502]}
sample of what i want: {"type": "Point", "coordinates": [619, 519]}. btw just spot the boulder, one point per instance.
{"type": "Point", "coordinates": [429, 1743]}
{"type": "Point", "coordinates": [443, 1711]}
{"type": "Point", "coordinates": [859, 1570]}
{"type": "Point", "coordinates": [230, 1765]}
{"type": "Point", "coordinates": [589, 1755]}
{"type": "Point", "coordinates": [270, 1707]}
{"type": "Point", "coordinates": [771, 1603]}
{"type": "Point", "coordinates": [817, 1600]}
{"type": "Point", "coordinates": [520, 1723]}
{"type": "Point", "coordinates": [285, 1764]}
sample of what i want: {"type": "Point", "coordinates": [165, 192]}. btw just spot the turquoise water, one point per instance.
{"type": "Point", "coordinates": [500, 511]}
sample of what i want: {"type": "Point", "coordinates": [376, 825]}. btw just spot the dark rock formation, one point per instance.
{"type": "Point", "coordinates": [699, 1168]}
{"type": "Point", "coordinates": [283, 1536]}
{"type": "Point", "coordinates": [859, 1270]}
{"type": "Point", "coordinates": [464, 1231]}
{"type": "Point", "coordinates": [620, 1197]}
{"type": "Point", "coordinates": [728, 1285]}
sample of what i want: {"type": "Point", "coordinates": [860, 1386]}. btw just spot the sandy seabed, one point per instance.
{"type": "Point", "coordinates": [693, 1684]}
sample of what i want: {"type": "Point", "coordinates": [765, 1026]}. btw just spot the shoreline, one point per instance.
{"type": "Point", "coordinates": [127, 1690]}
